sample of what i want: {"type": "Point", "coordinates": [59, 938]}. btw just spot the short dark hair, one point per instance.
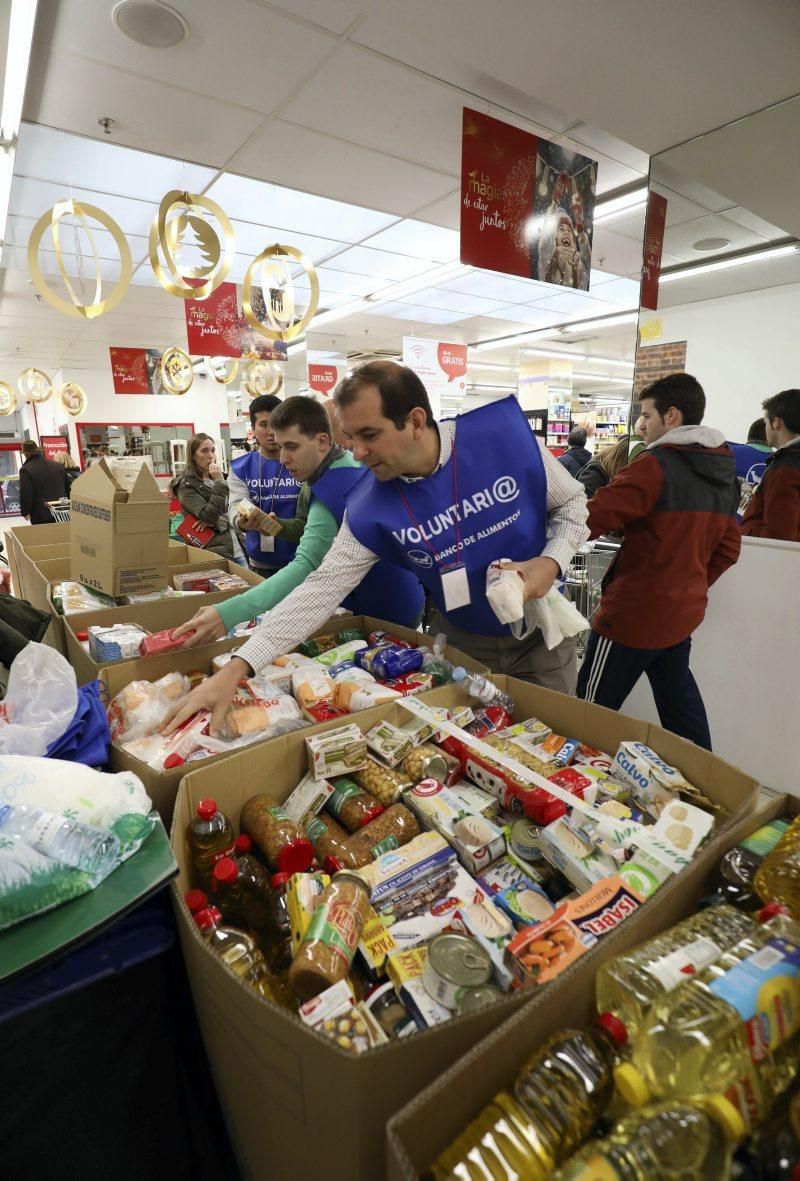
{"type": "Point", "coordinates": [309, 416]}
{"type": "Point", "coordinates": [264, 402]}
{"type": "Point", "coordinates": [786, 406]}
{"type": "Point", "coordinates": [400, 389]}
{"type": "Point", "coordinates": [680, 390]}
{"type": "Point", "coordinates": [577, 437]}
{"type": "Point", "coordinates": [30, 447]}
{"type": "Point", "coordinates": [757, 431]}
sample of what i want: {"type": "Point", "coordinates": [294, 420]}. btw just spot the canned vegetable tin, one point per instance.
{"type": "Point", "coordinates": [525, 840]}
{"type": "Point", "coordinates": [476, 998]}
{"type": "Point", "coordinates": [454, 963]}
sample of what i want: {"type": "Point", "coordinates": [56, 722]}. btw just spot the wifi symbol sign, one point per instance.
{"type": "Point", "coordinates": [417, 351]}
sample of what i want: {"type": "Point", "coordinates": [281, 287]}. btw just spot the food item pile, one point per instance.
{"type": "Point", "coordinates": [71, 598]}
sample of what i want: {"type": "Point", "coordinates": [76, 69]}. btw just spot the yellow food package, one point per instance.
{"type": "Point", "coordinates": [302, 892]}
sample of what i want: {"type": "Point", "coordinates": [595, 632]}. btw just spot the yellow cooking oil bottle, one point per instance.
{"type": "Point", "coordinates": [557, 1097]}
{"type": "Point", "coordinates": [629, 984]}
{"type": "Point", "coordinates": [778, 876]}
{"type": "Point", "coordinates": [692, 1141]}
{"type": "Point", "coordinates": [733, 1029]}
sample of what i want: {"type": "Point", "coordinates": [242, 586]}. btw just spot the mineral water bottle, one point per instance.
{"type": "Point", "coordinates": [434, 662]}
{"type": "Point", "coordinates": [82, 846]}
{"type": "Point", "coordinates": [557, 1097]}
{"type": "Point", "coordinates": [210, 837]}
{"type": "Point", "coordinates": [690, 1141]}
{"type": "Point", "coordinates": [483, 689]}
{"type": "Point", "coordinates": [733, 1029]}
{"type": "Point", "coordinates": [630, 983]}
{"type": "Point", "coordinates": [778, 877]}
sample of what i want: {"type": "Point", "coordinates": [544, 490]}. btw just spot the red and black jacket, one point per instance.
{"type": "Point", "coordinates": [774, 510]}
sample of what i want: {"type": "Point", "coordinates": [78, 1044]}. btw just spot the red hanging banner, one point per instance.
{"type": "Point", "coordinates": [653, 246]}
{"type": "Point", "coordinates": [129, 371]}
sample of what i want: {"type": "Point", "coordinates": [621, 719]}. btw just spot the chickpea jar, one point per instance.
{"type": "Point", "coordinates": [327, 950]}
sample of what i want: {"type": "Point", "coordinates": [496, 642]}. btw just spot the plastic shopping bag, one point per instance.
{"type": "Point", "coordinates": [557, 617]}
{"type": "Point", "coordinates": [40, 702]}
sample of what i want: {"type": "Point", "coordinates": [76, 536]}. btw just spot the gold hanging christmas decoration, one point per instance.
{"type": "Point", "coordinates": [81, 214]}
{"type": "Point", "coordinates": [34, 385]}
{"type": "Point", "coordinates": [228, 375]}
{"type": "Point", "coordinates": [73, 398]}
{"type": "Point", "coordinates": [177, 373]}
{"type": "Point", "coordinates": [273, 266]}
{"type": "Point", "coordinates": [8, 399]}
{"type": "Point", "coordinates": [181, 223]}
{"type": "Point", "coordinates": [262, 377]}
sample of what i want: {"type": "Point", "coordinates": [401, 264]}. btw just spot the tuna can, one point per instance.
{"type": "Point", "coordinates": [476, 998]}
{"type": "Point", "coordinates": [525, 840]}
{"type": "Point", "coordinates": [454, 964]}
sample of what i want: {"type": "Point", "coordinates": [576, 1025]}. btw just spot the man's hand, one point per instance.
{"type": "Point", "coordinates": [270, 525]}
{"type": "Point", "coordinates": [215, 694]}
{"type": "Point", "coordinates": [538, 574]}
{"type": "Point", "coordinates": [260, 521]}
{"type": "Point", "coordinates": [204, 627]}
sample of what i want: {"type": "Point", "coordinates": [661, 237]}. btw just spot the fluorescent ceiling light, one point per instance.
{"type": "Point", "coordinates": [18, 54]}
{"type": "Point", "coordinates": [390, 293]}
{"type": "Point", "coordinates": [299, 346]}
{"type": "Point", "coordinates": [724, 264]}
{"type": "Point", "coordinates": [600, 377]}
{"type": "Point", "coordinates": [517, 338]}
{"type": "Point", "coordinates": [603, 322]}
{"type": "Point", "coordinates": [491, 387]}
{"type": "Point", "coordinates": [490, 365]}
{"type": "Point", "coordinates": [621, 206]}
{"type": "Point", "coordinates": [563, 355]}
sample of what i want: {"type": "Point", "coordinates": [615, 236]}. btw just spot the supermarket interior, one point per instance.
{"type": "Point", "coordinates": [399, 518]}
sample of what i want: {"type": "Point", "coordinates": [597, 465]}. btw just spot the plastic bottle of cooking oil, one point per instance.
{"type": "Point", "coordinates": [778, 876]}
{"type": "Point", "coordinates": [734, 1029]}
{"type": "Point", "coordinates": [557, 1097]}
{"type": "Point", "coordinates": [694, 1142]}
{"type": "Point", "coordinates": [630, 983]}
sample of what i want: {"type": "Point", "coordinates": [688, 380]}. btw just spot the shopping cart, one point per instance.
{"type": "Point", "coordinates": [60, 510]}
{"type": "Point", "coordinates": [585, 576]}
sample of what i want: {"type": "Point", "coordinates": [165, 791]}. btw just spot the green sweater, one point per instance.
{"type": "Point", "coordinates": [317, 539]}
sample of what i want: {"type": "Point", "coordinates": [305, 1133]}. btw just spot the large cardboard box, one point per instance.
{"type": "Point", "coordinates": [119, 538]}
{"type": "Point", "coordinates": [432, 1120]}
{"type": "Point", "coordinates": [297, 1106]}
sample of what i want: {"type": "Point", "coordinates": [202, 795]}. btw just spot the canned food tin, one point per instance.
{"type": "Point", "coordinates": [476, 998]}
{"type": "Point", "coordinates": [454, 964]}
{"type": "Point", "coordinates": [525, 840]}
{"type": "Point", "coordinates": [425, 762]}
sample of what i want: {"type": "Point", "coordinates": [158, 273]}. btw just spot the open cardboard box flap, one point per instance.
{"type": "Point", "coordinates": [297, 1106]}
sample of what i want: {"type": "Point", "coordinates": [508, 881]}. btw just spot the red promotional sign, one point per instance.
{"type": "Point", "coordinates": [322, 378]}
{"type": "Point", "coordinates": [213, 327]}
{"type": "Point", "coordinates": [129, 371]}
{"type": "Point", "coordinates": [53, 445]}
{"type": "Point", "coordinates": [653, 246]}
{"type": "Point", "coordinates": [453, 360]}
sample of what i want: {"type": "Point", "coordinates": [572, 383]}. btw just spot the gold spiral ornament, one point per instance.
{"type": "Point", "coordinates": [177, 373]}
{"type": "Point", "coordinates": [73, 398]}
{"type": "Point", "coordinates": [81, 214]}
{"type": "Point", "coordinates": [8, 399]}
{"type": "Point", "coordinates": [181, 224]}
{"type": "Point", "coordinates": [273, 267]}
{"type": "Point", "coordinates": [34, 385]}
{"type": "Point", "coordinates": [228, 375]}
{"type": "Point", "coordinates": [262, 377]}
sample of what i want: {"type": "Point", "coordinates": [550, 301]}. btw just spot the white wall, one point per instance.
{"type": "Point", "coordinates": [742, 349]}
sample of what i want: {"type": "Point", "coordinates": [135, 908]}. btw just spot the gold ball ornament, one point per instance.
{"type": "Point", "coordinates": [73, 398]}
{"type": "Point", "coordinates": [8, 399]}
{"type": "Point", "coordinates": [34, 385]}
{"type": "Point", "coordinates": [177, 373]}
{"type": "Point", "coordinates": [262, 377]}
{"type": "Point", "coordinates": [82, 213]}
{"type": "Point", "coordinates": [181, 221]}
{"type": "Point", "coordinates": [228, 375]}
{"type": "Point", "coordinates": [273, 267]}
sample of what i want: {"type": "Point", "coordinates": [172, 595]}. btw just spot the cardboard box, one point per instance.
{"type": "Point", "coordinates": [297, 1106]}
{"type": "Point", "coordinates": [432, 1120]}
{"type": "Point", "coordinates": [119, 539]}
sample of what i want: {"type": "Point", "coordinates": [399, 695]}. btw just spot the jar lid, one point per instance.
{"type": "Point", "coordinates": [296, 856]}
{"type": "Point", "coordinates": [372, 814]}
{"type": "Point", "coordinates": [207, 809]}
{"type": "Point", "coordinates": [350, 875]}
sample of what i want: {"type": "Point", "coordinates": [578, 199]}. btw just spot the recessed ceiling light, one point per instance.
{"type": "Point", "coordinates": [711, 244]}
{"type": "Point", "coordinates": [150, 23]}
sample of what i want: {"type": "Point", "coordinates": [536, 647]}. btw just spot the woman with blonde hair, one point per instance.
{"type": "Point", "coordinates": [69, 464]}
{"type": "Point", "coordinates": [203, 493]}
{"type": "Point", "coordinates": [605, 465]}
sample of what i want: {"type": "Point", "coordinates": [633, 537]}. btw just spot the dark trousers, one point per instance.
{"type": "Point", "coordinates": [610, 671]}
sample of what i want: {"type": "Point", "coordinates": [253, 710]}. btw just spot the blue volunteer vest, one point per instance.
{"type": "Point", "coordinates": [273, 490]}
{"type": "Point", "coordinates": [387, 592]}
{"type": "Point", "coordinates": [497, 506]}
{"type": "Point", "coordinates": [751, 462]}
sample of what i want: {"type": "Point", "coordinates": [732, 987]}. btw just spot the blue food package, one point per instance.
{"type": "Point", "coordinates": [515, 892]}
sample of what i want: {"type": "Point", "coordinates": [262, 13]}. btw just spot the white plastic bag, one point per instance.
{"type": "Point", "coordinates": [40, 702]}
{"type": "Point", "coordinates": [556, 615]}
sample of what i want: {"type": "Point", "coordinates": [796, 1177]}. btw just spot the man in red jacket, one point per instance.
{"type": "Point", "coordinates": [676, 507]}
{"type": "Point", "coordinates": [774, 510]}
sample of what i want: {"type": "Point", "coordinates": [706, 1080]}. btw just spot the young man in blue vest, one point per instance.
{"type": "Point", "coordinates": [442, 501]}
{"type": "Point", "coordinates": [328, 473]}
{"type": "Point", "coordinates": [259, 483]}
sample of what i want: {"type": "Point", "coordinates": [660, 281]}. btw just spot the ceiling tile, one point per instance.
{"type": "Point", "coordinates": [252, 239]}
{"type": "Point", "coordinates": [623, 255]}
{"type": "Point", "coordinates": [32, 198]}
{"type": "Point", "coordinates": [418, 239]}
{"type": "Point", "coordinates": [444, 212]}
{"type": "Point", "coordinates": [624, 292]}
{"type": "Point", "coordinates": [379, 264]}
{"type": "Point", "coordinates": [454, 301]}
{"type": "Point", "coordinates": [402, 311]}
{"type": "Point", "coordinates": [749, 221]}
{"type": "Point", "coordinates": [529, 316]}
{"type": "Point", "coordinates": [578, 306]}
{"type": "Point", "coordinates": [335, 15]}
{"type": "Point", "coordinates": [491, 285]}
{"type": "Point", "coordinates": [679, 240]}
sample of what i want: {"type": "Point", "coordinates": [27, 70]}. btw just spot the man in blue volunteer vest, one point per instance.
{"type": "Point", "coordinates": [309, 454]}
{"type": "Point", "coordinates": [751, 461]}
{"type": "Point", "coordinates": [443, 501]}
{"type": "Point", "coordinates": [259, 484]}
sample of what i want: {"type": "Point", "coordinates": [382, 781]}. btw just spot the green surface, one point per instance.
{"type": "Point", "coordinates": [37, 939]}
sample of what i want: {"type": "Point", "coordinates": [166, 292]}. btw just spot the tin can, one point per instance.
{"type": "Point", "coordinates": [525, 840]}
{"type": "Point", "coordinates": [454, 963]}
{"type": "Point", "coordinates": [476, 998]}
{"type": "Point", "coordinates": [425, 762]}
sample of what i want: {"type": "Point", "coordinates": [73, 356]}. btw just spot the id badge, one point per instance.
{"type": "Point", "coordinates": [455, 587]}
{"type": "Point", "coordinates": [267, 544]}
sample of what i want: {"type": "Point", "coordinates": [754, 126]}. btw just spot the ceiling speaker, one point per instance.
{"type": "Point", "coordinates": [150, 23]}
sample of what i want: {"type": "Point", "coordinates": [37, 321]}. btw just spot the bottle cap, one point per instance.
{"type": "Point", "coordinates": [196, 900]}
{"type": "Point", "coordinates": [207, 918]}
{"type": "Point", "coordinates": [613, 1027]}
{"type": "Point", "coordinates": [279, 879]}
{"type": "Point", "coordinates": [243, 843]}
{"type": "Point", "coordinates": [176, 760]}
{"type": "Point", "coordinates": [631, 1085]}
{"type": "Point", "coordinates": [296, 856]}
{"type": "Point", "coordinates": [770, 911]}
{"type": "Point", "coordinates": [723, 1112]}
{"type": "Point", "coordinates": [226, 870]}
{"type": "Point", "coordinates": [459, 674]}
{"type": "Point", "coordinates": [207, 809]}
{"type": "Point", "coordinates": [81, 637]}
{"type": "Point", "coordinates": [373, 814]}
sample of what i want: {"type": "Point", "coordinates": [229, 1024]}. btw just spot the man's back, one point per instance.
{"type": "Point", "coordinates": [40, 480]}
{"type": "Point", "coordinates": [774, 510]}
